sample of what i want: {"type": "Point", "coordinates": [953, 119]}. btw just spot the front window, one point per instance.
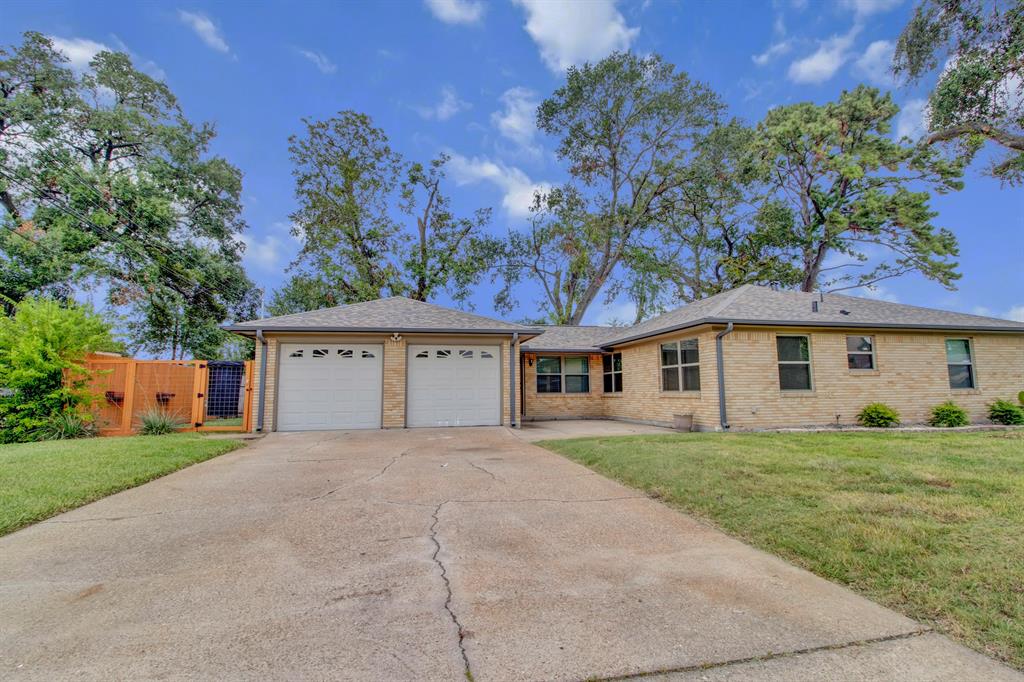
{"type": "Point", "coordinates": [680, 366]}
{"type": "Point", "coordinates": [557, 374]}
{"type": "Point", "coordinates": [549, 375]}
{"type": "Point", "coordinates": [612, 366]}
{"type": "Point", "coordinates": [794, 362]}
{"type": "Point", "coordinates": [860, 352]}
{"type": "Point", "coordinates": [959, 363]}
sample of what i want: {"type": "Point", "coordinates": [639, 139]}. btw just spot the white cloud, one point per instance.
{"type": "Point", "coordinates": [913, 119]}
{"type": "Point", "coordinates": [876, 63]}
{"type": "Point", "coordinates": [448, 106]}
{"type": "Point", "coordinates": [1015, 313]}
{"type": "Point", "coordinates": [272, 251]}
{"type": "Point", "coordinates": [517, 120]}
{"type": "Point", "coordinates": [205, 29]}
{"type": "Point", "coordinates": [616, 313]}
{"type": "Point", "coordinates": [319, 59]}
{"type": "Point", "coordinates": [456, 11]}
{"type": "Point", "coordinates": [823, 64]}
{"type": "Point", "coordinates": [774, 50]}
{"type": "Point", "coordinates": [79, 51]}
{"type": "Point", "coordinates": [517, 187]}
{"type": "Point", "coordinates": [865, 8]}
{"type": "Point", "coordinates": [570, 32]}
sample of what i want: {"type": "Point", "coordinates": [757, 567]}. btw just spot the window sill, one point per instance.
{"type": "Point", "coordinates": [864, 372]}
{"type": "Point", "coordinates": [965, 391]}
{"type": "Point", "coordinates": [612, 395]}
{"type": "Point", "coordinates": [560, 395]}
{"type": "Point", "coordinates": [797, 393]}
{"type": "Point", "coordinates": [680, 394]}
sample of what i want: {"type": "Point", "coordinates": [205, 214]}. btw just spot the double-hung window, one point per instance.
{"type": "Point", "coordinates": [860, 352]}
{"type": "Point", "coordinates": [612, 366]}
{"type": "Point", "coordinates": [794, 362]}
{"type": "Point", "coordinates": [563, 374]}
{"type": "Point", "coordinates": [680, 366]}
{"type": "Point", "coordinates": [960, 363]}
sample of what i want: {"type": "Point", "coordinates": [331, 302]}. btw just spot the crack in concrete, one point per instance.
{"type": "Point", "coordinates": [326, 494]}
{"type": "Point", "coordinates": [552, 499]}
{"type": "Point", "coordinates": [486, 471]}
{"type": "Point", "coordinates": [771, 655]}
{"type": "Point", "coordinates": [389, 464]}
{"type": "Point", "coordinates": [117, 518]}
{"type": "Point", "coordinates": [448, 589]}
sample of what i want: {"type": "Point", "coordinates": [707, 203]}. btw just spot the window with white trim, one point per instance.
{"type": "Point", "coordinates": [794, 362]}
{"type": "Point", "coordinates": [611, 365]}
{"type": "Point", "coordinates": [556, 374]}
{"type": "Point", "coordinates": [860, 352]}
{"type": "Point", "coordinates": [680, 366]}
{"type": "Point", "coordinates": [960, 363]}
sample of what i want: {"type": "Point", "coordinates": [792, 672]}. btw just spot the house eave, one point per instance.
{"type": "Point", "coordinates": [813, 324]}
{"type": "Point", "coordinates": [455, 331]}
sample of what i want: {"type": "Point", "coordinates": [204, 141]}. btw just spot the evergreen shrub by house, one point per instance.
{"type": "Point", "coordinates": [878, 415]}
{"type": "Point", "coordinates": [1005, 412]}
{"type": "Point", "coordinates": [949, 414]}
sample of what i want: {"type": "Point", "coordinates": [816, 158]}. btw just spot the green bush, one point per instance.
{"type": "Point", "coordinates": [1005, 412]}
{"type": "Point", "coordinates": [42, 349]}
{"type": "Point", "coordinates": [67, 425]}
{"type": "Point", "coordinates": [159, 422]}
{"type": "Point", "coordinates": [1020, 397]}
{"type": "Point", "coordinates": [878, 415]}
{"type": "Point", "coordinates": [949, 414]}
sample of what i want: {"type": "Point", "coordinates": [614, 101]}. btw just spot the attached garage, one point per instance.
{"type": "Point", "coordinates": [454, 385]}
{"type": "Point", "coordinates": [329, 386]}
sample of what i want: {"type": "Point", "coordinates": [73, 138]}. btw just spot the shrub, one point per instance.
{"type": "Point", "coordinates": [948, 414]}
{"type": "Point", "coordinates": [1020, 397]}
{"type": "Point", "coordinates": [1005, 412]}
{"type": "Point", "coordinates": [878, 415]}
{"type": "Point", "coordinates": [42, 348]}
{"type": "Point", "coordinates": [66, 425]}
{"type": "Point", "coordinates": [159, 422]}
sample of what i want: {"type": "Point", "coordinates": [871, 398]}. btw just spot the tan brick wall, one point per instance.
{"type": "Point", "coordinates": [395, 358]}
{"type": "Point", "coordinates": [911, 377]}
{"type": "Point", "coordinates": [642, 398]}
{"type": "Point", "coordinates": [564, 405]}
{"type": "Point", "coordinates": [507, 379]}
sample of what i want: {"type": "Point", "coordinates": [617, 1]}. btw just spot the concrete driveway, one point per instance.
{"type": "Point", "coordinates": [425, 554]}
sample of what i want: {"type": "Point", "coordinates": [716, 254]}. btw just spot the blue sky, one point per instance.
{"type": "Point", "coordinates": [463, 76]}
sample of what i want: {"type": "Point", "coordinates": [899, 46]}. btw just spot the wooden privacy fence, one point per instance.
{"type": "Point", "coordinates": [201, 395]}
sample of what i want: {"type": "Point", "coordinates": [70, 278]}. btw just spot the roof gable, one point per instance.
{"type": "Point", "coordinates": [394, 314]}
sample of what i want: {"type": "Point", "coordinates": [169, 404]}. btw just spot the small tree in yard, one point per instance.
{"type": "Point", "coordinates": [42, 352]}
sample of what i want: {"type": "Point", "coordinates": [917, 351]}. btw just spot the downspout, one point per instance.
{"type": "Point", "coordinates": [512, 380]}
{"type": "Point", "coordinates": [263, 379]}
{"type": "Point", "coordinates": [722, 418]}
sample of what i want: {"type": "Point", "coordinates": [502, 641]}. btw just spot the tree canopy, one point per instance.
{"type": "Point", "coordinates": [105, 183]}
{"type": "Point", "coordinates": [373, 224]}
{"type": "Point", "coordinates": [978, 47]}
{"type": "Point", "coordinates": [842, 187]}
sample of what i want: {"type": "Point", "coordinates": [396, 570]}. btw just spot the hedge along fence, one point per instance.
{"type": "Point", "coordinates": [127, 388]}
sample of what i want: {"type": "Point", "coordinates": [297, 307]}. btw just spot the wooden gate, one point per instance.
{"type": "Point", "coordinates": [127, 389]}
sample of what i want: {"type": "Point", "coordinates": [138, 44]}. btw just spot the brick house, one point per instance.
{"type": "Point", "coordinates": [749, 358]}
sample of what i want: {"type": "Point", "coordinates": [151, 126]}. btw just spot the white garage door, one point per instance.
{"type": "Point", "coordinates": [454, 386]}
{"type": "Point", "coordinates": [329, 386]}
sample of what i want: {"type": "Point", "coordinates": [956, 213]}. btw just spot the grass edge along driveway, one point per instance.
{"type": "Point", "coordinates": [39, 480]}
{"type": "Point", "coordinates": [931, 525]}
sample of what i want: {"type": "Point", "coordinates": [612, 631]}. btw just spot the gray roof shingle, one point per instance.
{"type": "Point", "coordinates": [567, 339]}
{"type": "Point", "coordinates": [395, 314]}
{"type": "Point", "coordinates": [752, 304]}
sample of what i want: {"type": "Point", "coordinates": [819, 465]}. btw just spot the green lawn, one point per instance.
{"type": "Point", "coordinates": [929, 524]}
{"type": "Point", "coordinates": [38, 480]}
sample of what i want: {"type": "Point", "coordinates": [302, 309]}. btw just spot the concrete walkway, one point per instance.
{"type": "Point", "coordinates": [422, 554]}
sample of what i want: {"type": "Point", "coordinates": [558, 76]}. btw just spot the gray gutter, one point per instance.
{"type": "Point", "coordinates": [580, 351]}
{"type": "Point", "coordinates": [809, 323]}
{"type": "Point", "coordinates": [512, 380]}
{"type": "Point", "coordinates": [263, 380]}
{"type": "Point", "coordinates": [385, 330]}
{"type": "Point", "coordinates": [719, 355]}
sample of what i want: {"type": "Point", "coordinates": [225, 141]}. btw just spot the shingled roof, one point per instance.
{"type": "Point", "coordinates": [750, 304]}
{"type": "Point", "coordinates": [571, 339]}
{"type": "Point", "coordinates": [395, 314]}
